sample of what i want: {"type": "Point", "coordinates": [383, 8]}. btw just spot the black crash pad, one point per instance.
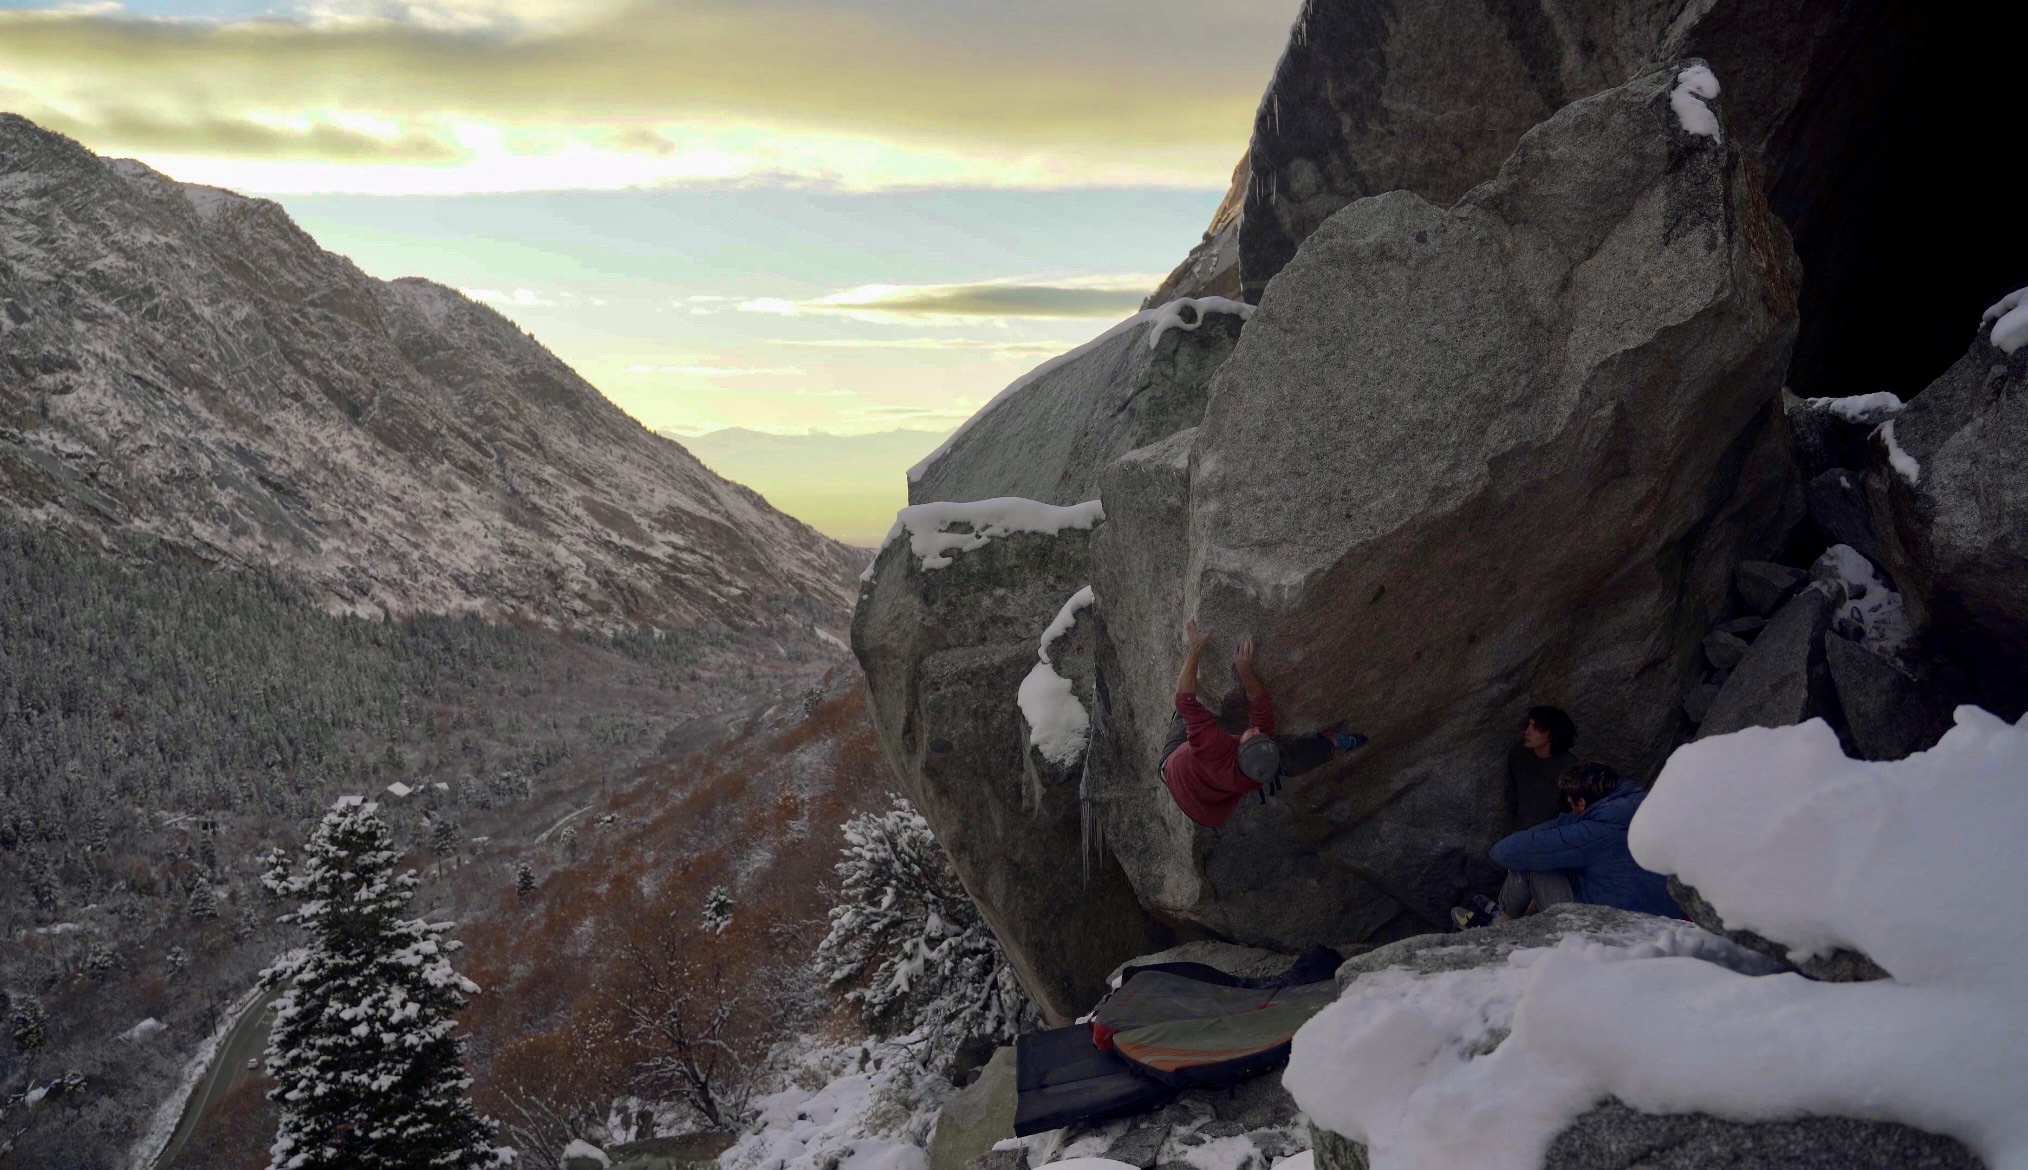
{"type": "Point", "coordinates": [1061, 1077]}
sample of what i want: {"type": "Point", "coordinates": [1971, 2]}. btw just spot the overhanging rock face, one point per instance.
{"type": "Point", "coordinates": [1462, 460]}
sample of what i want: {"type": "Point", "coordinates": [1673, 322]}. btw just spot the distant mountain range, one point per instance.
{"type": "Point", "coordinates": [847, 485]}
{"type": "Point", "coordinates": [185, 364]}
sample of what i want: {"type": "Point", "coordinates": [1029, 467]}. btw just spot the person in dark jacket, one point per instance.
{"type": "Point", "coordinates": [1590, 841]}
{"type": "Point", "coordinates": [1534, 766]}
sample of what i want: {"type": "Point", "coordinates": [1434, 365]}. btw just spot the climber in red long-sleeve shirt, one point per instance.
{"type": "Point", "coordinates": [1207, 769]}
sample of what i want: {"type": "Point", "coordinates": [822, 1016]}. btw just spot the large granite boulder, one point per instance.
{"type": "Point", "coordinates": [947, 629]}
{"type": "Point", "coordinates": [1849, 109]}
{"type": "Point", "coordinates": [1949, 493]}
{"type": "Point", "coordinates": [1048, 434]}
{"type": "Point", "coordinates": [1462, 460]}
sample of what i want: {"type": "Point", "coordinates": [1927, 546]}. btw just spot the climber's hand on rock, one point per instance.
{"type": "Point", "coordinates": [1197, 637]}
{"type": "Point", "coordinates": [1242, 662]}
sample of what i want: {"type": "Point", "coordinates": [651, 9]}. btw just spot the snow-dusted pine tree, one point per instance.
{"type": "Point", "coordinates": [718, 910]}
{"type": "Point", "coordinates": [203, 904]}
{"type": "Point", "coordinates": [524, 879]}
{"type": "Point", "coordinates": [911, 941]}
{"type": "Point", "coordinates": [30, 1024]}
{"type": "Point", "coordinates": [367, 1071]}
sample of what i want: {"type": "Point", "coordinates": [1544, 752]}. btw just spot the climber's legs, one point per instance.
{"type": "Point", "coordinates": [1544, 888]}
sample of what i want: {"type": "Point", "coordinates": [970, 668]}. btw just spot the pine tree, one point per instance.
{"type": "Point", "coordinates": [177, 959]}
{"type": "Point", "coordinates": [203, 904]}
{"type": "Point", "coordinates": [935, 968]}
{"type": "Point", "coordinates": [718, 910]}
{"type": "Point", "coordinates": [367, 1071]}
{"type": "Point", "coordinates": [524, 879]}
{"type": "Point", "coordinates": [42, 882]}
{"type": "Point", "coordinates": [30, 1024]}
{"type": "Point", "coordinates": [443, 840]}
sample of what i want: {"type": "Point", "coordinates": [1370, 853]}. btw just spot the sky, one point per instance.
{"type": "Point", "coordinates": [781, 216]}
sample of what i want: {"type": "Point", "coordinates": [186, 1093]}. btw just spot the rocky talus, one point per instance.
{"type": "Point", "coordinates": [185, 365]}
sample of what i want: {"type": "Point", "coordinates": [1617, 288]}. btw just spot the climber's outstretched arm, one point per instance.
{"type": "Point", "coordinates": [1186, 679]}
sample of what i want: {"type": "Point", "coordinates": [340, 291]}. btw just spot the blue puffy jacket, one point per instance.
{"type": "Point", "coordinates": [1593, 847]}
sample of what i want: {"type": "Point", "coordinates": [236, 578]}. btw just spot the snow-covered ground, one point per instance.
{"type": "Point", "coordinates": [862, 1106]}
{"type": "Point", "coordinates": [1915, 863]}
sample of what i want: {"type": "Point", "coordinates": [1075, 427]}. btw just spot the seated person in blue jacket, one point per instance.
{"type": "Point", "coordinates": [1590, 843]}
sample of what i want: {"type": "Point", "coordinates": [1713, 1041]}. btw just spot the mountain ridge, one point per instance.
{"type": "Point", "coordinates": [186, 364]}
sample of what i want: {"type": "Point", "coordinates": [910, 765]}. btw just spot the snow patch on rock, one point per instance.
{"type": "Point", "coordinates": [928, 525]}
{"type": "Point", "coordinates": [2009, 316]}
{"type": "Point", "coordinates": [143, 1030]}
{"type": "Point", "coordinates": [1058, 725]}
{"type": "Point", "coordinates": [1914, 863]}
{"type": "Point", "coordinates": [1903, 463]}
{"type": "Point", "coordinates": [1187, 313]}
{"type": "Point", "coordinates": [1877, 611]}
{"type": "Point", "coordinates": [580, 1148]}
{"type": "Point", "coordinates": [1860, 408]}
{"type": "Point", "coordinates": [1695, 86]}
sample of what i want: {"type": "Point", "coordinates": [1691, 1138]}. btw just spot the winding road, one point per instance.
{"type": "Point", "coordinates": [247, 1040]}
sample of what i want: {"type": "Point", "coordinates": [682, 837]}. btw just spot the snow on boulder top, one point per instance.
{"type": "Point", "coordinates": [580, 1148]}
{"type": "Point", "coordinates": [2009, 316]}
{"type": "Point", "coordinates": [143, 1030]}
{"type": "Point", "coordinates": [1916, 863]}
{"type": "Point", "coordinates": [1860, 408]}
{"type": "Point", "coordinates": [1187, 313]}
{"type": "Point", "coordinates": [927, 525]}
{"type": "Point", "coordinates": [1695, 86]}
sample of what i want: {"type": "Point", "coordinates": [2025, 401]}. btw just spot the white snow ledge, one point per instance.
{"type": "Point", "coordinates": [1058, 725]}
{"type": "Point", "coordinates": [928, 525]}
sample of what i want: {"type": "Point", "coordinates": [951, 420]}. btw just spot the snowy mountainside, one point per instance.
{"type": "Point", "coordinates": [186, 363]}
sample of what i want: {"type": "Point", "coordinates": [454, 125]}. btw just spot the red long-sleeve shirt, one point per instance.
{"type": "Point", "coordinates": [1203, 774]}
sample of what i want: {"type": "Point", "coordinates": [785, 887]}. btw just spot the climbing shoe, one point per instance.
{"type": "Point", "coordinates": [1345, 741]}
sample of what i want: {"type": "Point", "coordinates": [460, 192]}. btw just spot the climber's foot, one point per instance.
{"type": "Point", "coordinates": [1345, 741]}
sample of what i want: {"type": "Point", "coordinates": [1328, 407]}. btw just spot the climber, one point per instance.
{"type": "Point", "coordinates": [1533, 767]}
{"type": "Point", "coordinates": [1590, 841]}
{"type": "Point", "coordinates": [1207, 770]}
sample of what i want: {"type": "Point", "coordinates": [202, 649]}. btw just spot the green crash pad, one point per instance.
{"type": "Point", "coordinates": [974, 1120]}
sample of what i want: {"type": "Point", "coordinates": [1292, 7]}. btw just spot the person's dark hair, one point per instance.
{"type": "Point", "coordinates": [1587, 782]}
{"type": "Point", "coordinates": [1562, 732]}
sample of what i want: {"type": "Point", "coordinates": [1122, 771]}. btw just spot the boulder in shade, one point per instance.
{"type": "Point", "coordinates": [1887, 715]}
{"type": "Point", "coordinates": [1782, 680]}
{"type": "Point", "coordinates": [1764, 585]}
{"type": "Point", "coordinates": [1837, 506]}
{"type": "Point", "coordinates": [1949, 494]}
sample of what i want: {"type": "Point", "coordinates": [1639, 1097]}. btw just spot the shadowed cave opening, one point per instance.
{"type": "Point", "coordinates": [1907, 215]}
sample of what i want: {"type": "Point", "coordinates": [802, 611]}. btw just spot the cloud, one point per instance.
{"type": "Point", "coordinates": [932, 343]}
{"type": "Point", "coordinates": [123, 128]}
{"type": "Point", "coordinates": [883, 92]}
{"type": "Point", "coordinates": [720, 371]}
{"type": "Point", "coordinates": [521, 297]}
{"type": "Point", "coordinates": [1079, 297]}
